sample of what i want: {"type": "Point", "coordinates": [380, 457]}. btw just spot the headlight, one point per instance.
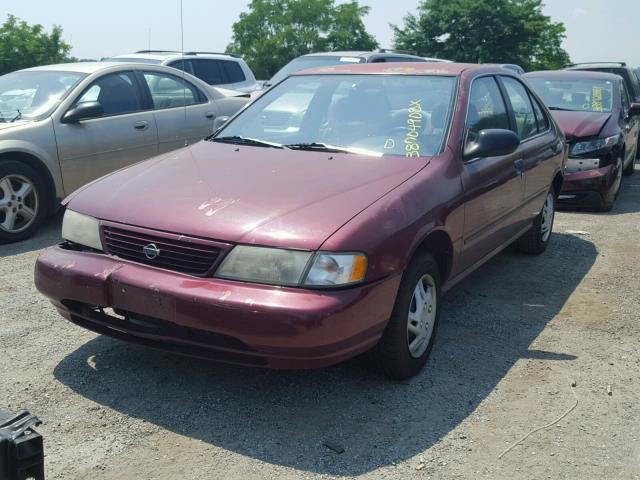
{"type": "Point", "coordinates": [81, 229]}
{"type": "Point", "coordinates": [337, 269]}
{"type": "Point", "coordinates": [581, 148]}
{"type": "Point", "coordinates": [264, 265]}
{"type": "Point", "coordinates": [277, 266]}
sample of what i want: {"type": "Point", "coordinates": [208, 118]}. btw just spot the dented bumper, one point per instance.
{"type": "Point", "coordinates": [216, 319]}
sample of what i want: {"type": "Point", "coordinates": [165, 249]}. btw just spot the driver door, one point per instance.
{"type": "Point", "coordinates": [126, 133]}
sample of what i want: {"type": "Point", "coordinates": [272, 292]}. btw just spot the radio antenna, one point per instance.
{"type": "Point", "coordinates": [184, 83]}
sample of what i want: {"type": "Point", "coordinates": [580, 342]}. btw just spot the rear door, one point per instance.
{"type": "Point", "coordinates": [125, 134]}
{"type": "Point", "coordinates": [494, 186]}
{"type": "Point", "coordinates": [183, 113]}
{"type": "Point", "coordinates": [539, 148]}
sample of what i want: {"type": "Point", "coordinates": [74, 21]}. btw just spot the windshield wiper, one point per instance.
{"type": "Point", "coordinates": [238, 140]}
{"type": "Point", "coordinates": [17, 117]}
{"type": "Point", "coordinates": [320, 147]}
{"type": "Point", "coordinates": [562, 109]}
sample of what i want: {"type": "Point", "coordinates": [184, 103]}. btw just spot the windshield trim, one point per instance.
{"type": "Point", "coordinates": [455, 93]}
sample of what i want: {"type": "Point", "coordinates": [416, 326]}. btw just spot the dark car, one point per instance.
{"type": "Point", "coordinates": [325, 59]}
{"type": "Point", "coordinates": [627, 73]}
{"type": "Point", "coordinates": [601, 127]}
{"type": "Point", "coordinates": [303, 246]}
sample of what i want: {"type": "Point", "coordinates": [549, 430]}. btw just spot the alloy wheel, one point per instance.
{"type": "Point", "coordinates": [422, 316]}
{"type": "Point", "coordinates": [19, 203]}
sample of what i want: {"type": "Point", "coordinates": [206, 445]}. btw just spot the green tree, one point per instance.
{"type": "Point", "coordinates": [273, 32]}
{"type": "Point", "coordinates": [485, 31]}
{"type": "Point", "coordinates": [23, 45]}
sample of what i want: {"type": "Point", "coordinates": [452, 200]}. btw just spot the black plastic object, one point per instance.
{"type": "Point", "coordinates": [21, 448]}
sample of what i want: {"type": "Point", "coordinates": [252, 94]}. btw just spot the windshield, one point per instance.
{"type": "Point", "coordinates": [29, 95]}
{"type": "Point", "coordinates": [313, 61]}
{"type": "Point", "coordinates": [369, 114]}
{"type": "Point", "coordinates": [583, 95]}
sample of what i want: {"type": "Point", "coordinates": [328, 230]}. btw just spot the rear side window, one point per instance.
{"type": "Point", "coordinates": [233, 71]}
{"type": "Point", "coordinates": [541, 118]}
{"type": "Point", "coordinates": [209, 71]}
{"type": "Point", "coordinates": [486, 107]}
{"type": "Point", "coordinates": [168, 91]}
{"type": "Point", "coordinates": [118, 93]}
{"type": "Point", "coordinates": [185, 65]}
{"type": "Point", "coordinates": [526, 124]}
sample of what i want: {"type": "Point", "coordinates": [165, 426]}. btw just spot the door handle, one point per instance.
{"type": "Point", "coordinates": [519, 164]}
{"type": "Point", "coordinates": [209, 115]}
{"type": "Point", "coordinates": [141, 125]}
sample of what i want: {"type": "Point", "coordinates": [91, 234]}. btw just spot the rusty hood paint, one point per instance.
{"type": "Point", "coordinates": [580, 124]}
{"type": "Point", "coordinates": [245, 194]}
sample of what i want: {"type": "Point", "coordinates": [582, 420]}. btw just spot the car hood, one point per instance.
{"type": "Point", "coordinates": [580, 124]}
{"type": "Point", "coordinates": [8, 125]}
{"type": "Point", "coordinates": [243, 194]}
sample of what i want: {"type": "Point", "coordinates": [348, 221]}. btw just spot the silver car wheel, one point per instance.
{"type": "Point", "coordinates": [422, 316]}
{"type": "Point", "coordinates": [547, 217]}
{"type": "Point", "coordinates": [19, 203]}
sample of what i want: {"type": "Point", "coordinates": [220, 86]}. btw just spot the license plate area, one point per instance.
{"type": "Point", "coordinates": [149, 302]}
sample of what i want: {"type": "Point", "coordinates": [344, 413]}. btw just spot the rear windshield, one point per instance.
{"type": "Point", "coordinates": [390, 115]}
{"type": "Point", "coordinates": [584, 95]}
{"type": "Point", "coordinates": [302, 63]}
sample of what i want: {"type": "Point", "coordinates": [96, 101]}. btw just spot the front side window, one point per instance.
{"type": "Point", "coordinates": [168, 91]}
{"type": "Point", "coordinates": [580, 95]}
{"type": "Point", "coordinates": [541, 117]}
{"type": "Point", "coordinates": [394, 115]}
{"type": "Point", "coordinates": [118, 94]}
{"type": "Point", "coordinates": [526, 125]}
{"type": "Point", "coordinates": [486, 107]}
{"type": "Point", "coordinates": [625, 99]}
{"type": "Point", "coordinates": [31, 95]}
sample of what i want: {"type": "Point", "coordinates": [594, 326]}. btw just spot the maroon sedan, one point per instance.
{"type": "Point", "coordinates": [323, 221]}
{"type": "Point", "coordinates": [601, 127]}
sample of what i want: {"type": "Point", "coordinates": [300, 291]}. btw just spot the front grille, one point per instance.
{"type": "Point", "coordinates": [180, 255]}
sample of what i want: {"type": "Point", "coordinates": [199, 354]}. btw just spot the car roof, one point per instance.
{"type": "Point", "coordinates": [79, 67]}
{"type": "Point", "coordinates": [360, 53]}
{"type": "Point", "coordinates": [573, 75]}
{"type": "Point", "coordinates": [164, 55]}
{"type": "Point", "coordinates": [404, 68]}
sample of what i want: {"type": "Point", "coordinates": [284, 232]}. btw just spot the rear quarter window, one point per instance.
{"type": "Point", "coordinates": [233, 71]}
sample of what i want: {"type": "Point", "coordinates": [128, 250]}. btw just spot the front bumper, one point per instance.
{"type": "Point", "coordinates": [583, 189]}
{"type": "Point", "coordinates": [215, 319]}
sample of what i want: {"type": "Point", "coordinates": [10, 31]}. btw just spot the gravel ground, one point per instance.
{"type": "Point", "coordinates": [514, 337]}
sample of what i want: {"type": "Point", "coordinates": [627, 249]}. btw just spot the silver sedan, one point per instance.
{"type": "Point", "coordinates": [62, 126]}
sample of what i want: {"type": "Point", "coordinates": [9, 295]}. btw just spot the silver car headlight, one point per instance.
{"type": "Point", "coordinates": [81, 229]}
{"type": "Point", "coordinates": [274, 266]}
{"type": "Point", "coordinates": [581, 148]}
{"type": "Point", "coordinates": [336, 269]}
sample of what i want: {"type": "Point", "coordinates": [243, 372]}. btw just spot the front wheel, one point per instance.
{"type": "Point", "coordinates": [408, 338]}
{"type": "Point", "coordinates": [22, 193]}
{"type": "Point", "coordinates": [537, 238]}
{"type": "Point", "coordinates": [609, 198]}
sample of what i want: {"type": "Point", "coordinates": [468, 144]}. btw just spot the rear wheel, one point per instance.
{"type": "Point", "coordinates": [22, 192]}
{"type": "Point", "coordinates": [537, 238]}
{"type": "Point", "coordinates": [609, 198]}
{"type": "Point", "coordinates": [408, 338]}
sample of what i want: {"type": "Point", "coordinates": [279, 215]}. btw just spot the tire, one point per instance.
{"type": "Point", "coordinates": [20, 215]}
{"type": "Point", "coordinates": [400, 354]}
{"type": "Point", "coordinates": [536, 239]}
{"type": "Point", "coordinates": [629, 169]}
{"type": "Point", "coordinates": [609, 198]}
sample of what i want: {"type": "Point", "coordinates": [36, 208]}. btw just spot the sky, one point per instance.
{"type": "Point", "coordinates": [597, 30]}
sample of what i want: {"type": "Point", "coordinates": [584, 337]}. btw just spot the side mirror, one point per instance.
{"type": "Point", "coordinates": [83, 111]}
{"type": "Point", "coordinates": [219, 122]}
{"type": "Point", "coordinates": [634, 109]}
{"type": "Point", "coordinates": [492, 143]}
